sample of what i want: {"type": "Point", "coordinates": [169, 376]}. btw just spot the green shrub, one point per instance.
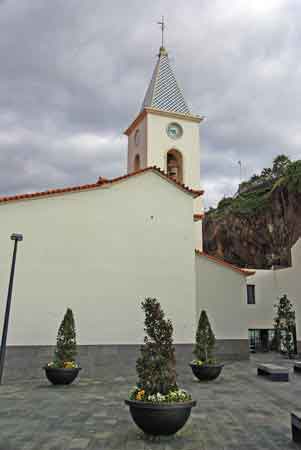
{"type": "Point", "coordinates": [254, 194]}
{"type": "Point", "coordinates": [156, 364]}
{"type": "Point", "coordinates": [293, 177]}
{"type": "Point", "coordinates": [224, 203]}
{"type": "Point", "coordinates": [66, 341]}
{"type": "Point", "coordinates": [284, 326]}
{"type": "Point", "coordinates": [205, 340]}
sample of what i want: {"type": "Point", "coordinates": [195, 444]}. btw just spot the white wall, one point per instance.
{"type": "Point", "coordinates": [153, 146]}
{"type": "Point", "coordinates": [222, 293]}
{"type": "Point", "coordinates": [270, 285]}
{"type": "Point", "coordinates": [101, 253]}
{"type": "Point", "coordinates": [159, 143]}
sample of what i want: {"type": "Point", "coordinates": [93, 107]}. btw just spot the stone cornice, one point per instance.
{"type": "Point", "coordinates": [159, 112]}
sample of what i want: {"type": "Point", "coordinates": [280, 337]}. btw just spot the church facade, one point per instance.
{"type": "Point", "coordinates": [101, 248]}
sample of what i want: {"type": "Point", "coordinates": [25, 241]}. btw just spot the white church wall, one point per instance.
{"type": "Point", "coordinates": [100, 252]}
{"type": "Point", "coordinates": [222, 293]}
{"type": "Point", "coordinates": [137, 148]}
{"type": "Point", "coordinates": [198, 233]}
{"type": "Point", "coordinates": [159, 143]}
{"type": "Point", "coordinates": [270, 285]}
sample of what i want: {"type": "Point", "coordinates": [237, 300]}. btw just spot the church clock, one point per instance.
{"type": "Point", "coordinates": [174, 130]}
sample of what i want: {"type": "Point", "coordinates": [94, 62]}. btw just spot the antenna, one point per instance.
{"type": "Point", "coordinates": [240, 170]}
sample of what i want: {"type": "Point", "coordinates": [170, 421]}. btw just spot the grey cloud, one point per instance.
{"type": "Point", "coordinates": [73, 75]}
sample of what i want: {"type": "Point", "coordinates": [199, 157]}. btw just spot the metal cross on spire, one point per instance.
{"type": "Point", "coordinates": [162, 24]}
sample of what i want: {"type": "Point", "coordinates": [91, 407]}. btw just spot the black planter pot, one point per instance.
{"type": "Point", "coordinates": [206, 372]}
{"type": "Point", "coordinates": [160, 419]}
{"type": "Point", "coordinates": [60, 375]}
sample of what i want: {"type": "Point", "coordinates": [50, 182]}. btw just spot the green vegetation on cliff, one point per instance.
{"type": "Point", "coordinates": [254, 195]}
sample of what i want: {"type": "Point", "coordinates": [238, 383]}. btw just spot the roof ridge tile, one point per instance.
{"type": "Point", "coordinates": [101, 182]}
{"type": "Point", "coordinates": [221, 261]}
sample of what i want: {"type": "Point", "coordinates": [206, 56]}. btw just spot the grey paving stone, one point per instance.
{"type": "Point", "coordinates": [79, 443]}
{"type": "Point", "coordinates": [238, 411]}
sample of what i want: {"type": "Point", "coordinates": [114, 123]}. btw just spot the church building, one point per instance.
{"type": "Point", "coordinates": [101, 248]}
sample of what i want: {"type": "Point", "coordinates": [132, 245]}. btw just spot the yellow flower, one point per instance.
{"type": "Point", "coordinates": [140, 394]}
{"type": "Point", "coordinates": [69, 364]}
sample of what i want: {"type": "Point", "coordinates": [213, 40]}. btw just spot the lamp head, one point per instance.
{"type": "Point", "coordinates": [16, 237]}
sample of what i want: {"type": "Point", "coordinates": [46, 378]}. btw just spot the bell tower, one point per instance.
{"type": "Point", "coordinates": [166, 134]}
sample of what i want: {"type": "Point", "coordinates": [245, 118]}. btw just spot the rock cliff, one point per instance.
{"type": "Point", "coordinates": [257, 227]}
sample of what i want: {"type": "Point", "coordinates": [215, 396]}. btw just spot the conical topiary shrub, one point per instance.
{"type": "Point", "coordinates": [204, 366]}
{"type": "Point", "coordinates": [66, 341]}
{"type": "Point", "coordinates": [63, 369]}
{"type": "Point", "coordinates": [205, 340]}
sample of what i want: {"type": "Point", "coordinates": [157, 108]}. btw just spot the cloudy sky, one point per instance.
{"type": "Point", "coordinates": [73, 74]}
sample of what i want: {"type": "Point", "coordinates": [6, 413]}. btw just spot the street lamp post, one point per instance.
{"type": "Point", "coordinates": [14, 237]}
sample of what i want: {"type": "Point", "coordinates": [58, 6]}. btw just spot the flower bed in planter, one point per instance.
{"type": "Point", "coordinates": [62, 375]}
{"type": "Point", "coordinates": [205, 367]}
{"type": "Point", "coordinates": [157, 405]}
{"type": "Point", "coordinates": [63, 369]}
{"type": "Point", "coordinates": [204, 371]}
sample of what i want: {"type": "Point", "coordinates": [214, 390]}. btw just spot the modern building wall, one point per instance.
{"type": "Point", "coordinates": [100, 252]}
{"type": "Point", "coordinates": [270, 285]}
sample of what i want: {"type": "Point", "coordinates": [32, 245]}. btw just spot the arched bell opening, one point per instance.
{"type": "Point", "coordinates": [175, 165]}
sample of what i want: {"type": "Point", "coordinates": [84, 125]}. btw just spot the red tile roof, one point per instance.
{"type": "Point", "coordinates": [197, 217]}
{"type": "Point", "coordinates": [100, 183]}
{"type": "Point", "coordinates": [244, 272]}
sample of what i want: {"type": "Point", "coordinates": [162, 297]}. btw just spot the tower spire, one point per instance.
{"type": "Point", "coordinates": [162, 25]}
{"type": "Point", "coordinates": [163, 90]}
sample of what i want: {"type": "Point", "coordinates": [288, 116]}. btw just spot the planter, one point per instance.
{"type": "Point", "coordinates": [160, 419]}
{"type": "Point", "coordinates": [60, 375]}
{"type": "Point", "coordinates": [206, 372]}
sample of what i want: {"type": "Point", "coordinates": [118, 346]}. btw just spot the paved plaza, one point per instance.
{"type": "Point", "coordinates": [237, 411]}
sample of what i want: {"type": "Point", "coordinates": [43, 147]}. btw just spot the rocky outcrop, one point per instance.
{"type": "Point", "coordinates": [260, 237]}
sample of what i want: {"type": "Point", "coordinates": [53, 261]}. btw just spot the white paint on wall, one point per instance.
{"type": "Point", "coordinates": [154, 144]}
{"type": "Point", "coordinates": [138, 147]}
{"type": "Point", "coordinates": [270, 285]}
{"type": "Point", "coordinates": [222, 293]}
{"type": "Point", "coordinates": [100, 252]}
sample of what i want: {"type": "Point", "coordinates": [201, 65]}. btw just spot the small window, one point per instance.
{"type": "Point", "coordinates": [251, 294]}
{"type": "Point", "coordinates": [137, 163]}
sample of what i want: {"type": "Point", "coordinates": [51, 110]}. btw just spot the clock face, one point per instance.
{"type": "Point", "coordinates": [137, 137]}
{"type": "Point", "coordinates": [174, 130]}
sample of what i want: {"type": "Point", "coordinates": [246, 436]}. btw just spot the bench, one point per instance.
{"type": "Point", "coordinates": [297, 366]}
{"type": "Point", "coordinates": [273, 372]}
{"type": "Point", "coordinates": [296, 426]}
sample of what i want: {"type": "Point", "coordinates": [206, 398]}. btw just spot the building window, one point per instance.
{"type": "Point", "coordinates": [137, 163]}
{"type": "Point", "coordinates": [251, 294]}
{"type": "Point", "coordinates": [175, 165]}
